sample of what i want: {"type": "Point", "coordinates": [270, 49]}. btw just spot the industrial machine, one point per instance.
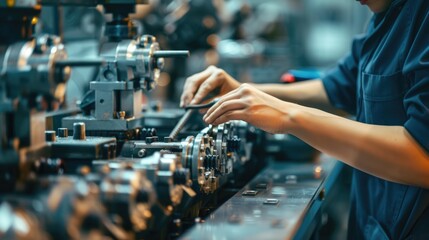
{"type": "Point", "coordinates": [118, 170]}
{"type": "Point", "coordinates": [106, 172]}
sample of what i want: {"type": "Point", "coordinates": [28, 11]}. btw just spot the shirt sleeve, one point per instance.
{"type": "Point", "coordinates": [416, 69]}
{"type": "Point", "coordinates": [340, 82]}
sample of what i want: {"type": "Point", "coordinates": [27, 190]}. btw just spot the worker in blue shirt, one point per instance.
{"type": "Point", "coordinates": [384, 82]}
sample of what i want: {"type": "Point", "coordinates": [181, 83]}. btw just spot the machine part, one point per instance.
{"type": "Point", "coordinates": [165, 170]}
{"type": "Point", "coordinates": [18, 223]}
{"type": "Point", "coordinates": [89, 148]}
{"type": "Point", "coordinates": [28, 69]}
{"type": "Point", "coordinates": [120, 27]}
{"type": "Point", "coordinates": [179, 126]}
{"type": "Point", "coordinates": [15, 27]}
{"type": "Point", "coordinates": [50, 136]}
{"type": "Point", "coordinates": [202, 106]}
{"type": "Point", "coordinates": [129, 196]}
{"type": "Point", "coordinates": [185, 118]}
{"type": "Point", "coordinates": [74, 210]}
{"type": "Point", "coordinates": [91, 2]}
{"type": "Point", "coordinates": [169, 180]}
{"type": "Point", "coordinates": [164, 121]}
{"type": "Point", "coordinates": [63, 132]}
{"type": "Point", "coordinates": [141, 195]}
{"type": "Point", "coordinates": [210, 156]}
{"type": "Point", "coordinates": [130, 66]}
{"type": "Point", "coordinates": [79, 131]}
{"type": "Point", "coordinates": [203, 146]}
{"type": "Point", "coordinates": [168, 165]}
{"type": "Point", "coordinates": [78, 150]}
{"type": "Point", "coordinates": [280, 211]}
{"type": "Point", "coordinates": [57, 208]}
{"type": "Point", "coordinates": [29, 84]}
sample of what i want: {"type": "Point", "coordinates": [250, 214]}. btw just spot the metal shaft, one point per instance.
{"type": "Point", "coordinates": [79, 62]}
{"type": "Point", "coordinates": [158, 145]}
{"type": "Point", "coordinates": [181, 124]}
{"type": "Point", "coordinates": [171, 53]}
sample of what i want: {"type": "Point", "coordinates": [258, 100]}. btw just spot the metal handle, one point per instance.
{"type": "Point", "coordinates": [171, 53]}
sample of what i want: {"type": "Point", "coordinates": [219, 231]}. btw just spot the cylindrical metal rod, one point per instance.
{"type": "Point", "coordinates": [181, 124]}
{"type": "Point", "coordinates": [79, 62]}
{"type": "Point", "coordinates": [171, 53]}
{"type": "Point", "coordinates": [79, 131]}
{"type": "Point", "coordinates": [158, 145]}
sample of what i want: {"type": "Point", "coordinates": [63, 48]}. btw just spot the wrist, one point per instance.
{"type": "Point", "coordinates": [293, 119]}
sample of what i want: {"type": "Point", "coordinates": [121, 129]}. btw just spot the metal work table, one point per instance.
{"type": "Point", "coordinates": [284, 201]}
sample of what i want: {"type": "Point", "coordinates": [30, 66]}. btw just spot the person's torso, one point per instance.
{"type": "Point", "coordinates": [383, 209]}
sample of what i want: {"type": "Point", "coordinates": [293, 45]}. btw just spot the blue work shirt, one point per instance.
{"type": "Point", "coordinates": [385, 81]}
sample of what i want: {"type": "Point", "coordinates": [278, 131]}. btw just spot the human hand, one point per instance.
{"type": "Point", "coordinates": [199, 85]}
{"type": "Point", "coordinates": [253, 106]}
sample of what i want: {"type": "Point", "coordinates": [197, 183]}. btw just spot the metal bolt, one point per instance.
{"type": "Point", "coordinates": [50, 136]}
{"type": "Point", "coordinates": [160, 63]}
{"type": "Point", "coordinates": [79, 131]}
{"type": "Point", "coordinates": [63, 132]}
{"type": "Point", "coordinates": [108, 74]}
{"type": "Point", "coordinates": [141, 153]}
{"type": "Point", "coordinates": [146, 40]}
{"type": "Point", "coordinates": [121, 115]}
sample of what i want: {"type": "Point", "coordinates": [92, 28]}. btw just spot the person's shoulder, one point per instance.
{"type": "Point", "coordinates": [417, 7]}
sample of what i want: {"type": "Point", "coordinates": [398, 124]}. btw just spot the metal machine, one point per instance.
{"type": "Point", "coordinates": [106, 172]}
{"type": "Point", "coordinates": [114, 171]}
{"type": "Point", "coordinates": [29, 84]}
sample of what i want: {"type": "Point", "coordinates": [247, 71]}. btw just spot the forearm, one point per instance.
{"type": "Point", "coordinates": [388, 152]}
{"type": "Point", "coordinates": [308, 93]}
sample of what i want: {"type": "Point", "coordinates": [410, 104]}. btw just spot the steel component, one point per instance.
{"type": "Point", "coordinates": [91, 2]}
{"type": "Point", "coordinates": [63, 132]}
{"type": "Point", "coordinates": [279, 211]}
{"type": "Point", "coordinates": [29, 68]}
{"type": "Point", "coordinates": [129, 67]}
{"type": "Point", "coordinates": [203, 176]}
{"type": "Point", "coordinates": [129, 195]}
{"type": "Point", "coordinates": [79, 150]}
{"type": "Point", "coordinates": [50, 136]}
{"type": "Point", "coordinates": [179, 126]}
{"type": "Point", "coordinates": [64, 208]}
{"type": "Point", "coordinates": [206, 155]}
{"type": "Point", "coordinates": [79, 131]}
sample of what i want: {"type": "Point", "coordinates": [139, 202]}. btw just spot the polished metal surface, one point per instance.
{"type": "Point", "coordinates": [93, 124]}
{"type": "Point", "coordinates": [272, 206]}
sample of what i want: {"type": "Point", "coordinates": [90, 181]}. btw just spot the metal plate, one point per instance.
{"type": "Point", "coordinates": [276, 212]}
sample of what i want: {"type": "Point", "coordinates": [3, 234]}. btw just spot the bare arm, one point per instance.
{"type": "Point", "coordinates": [308, 93]}
{"type": "Point", "coordinates": [388, 152]}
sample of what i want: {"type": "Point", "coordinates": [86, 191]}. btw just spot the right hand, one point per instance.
{"type": "Point", "coordinates": [199, 85]}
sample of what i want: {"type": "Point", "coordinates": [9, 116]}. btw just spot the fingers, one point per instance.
{"type": "Point", "coordinates": [229, 96]}
{"type": "Point", "coordinates": [193, 83]}
{"type": "Point", "coordinates": [205, 88]}
{"type": "Point", "coordinates": [225, 109]}
{"type": "Point", "coordinates": [231, 115]}
{"type": "Point", "coordinates": [215, 80]}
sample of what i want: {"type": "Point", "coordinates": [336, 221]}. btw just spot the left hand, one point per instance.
{"type": "Point", "coordinates": [253, 106]}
